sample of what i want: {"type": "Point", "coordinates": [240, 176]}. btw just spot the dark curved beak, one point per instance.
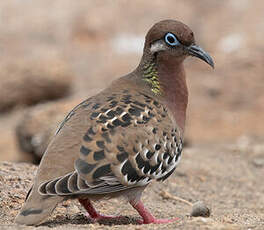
{"type": "Point", "coordinates": [197, 51]}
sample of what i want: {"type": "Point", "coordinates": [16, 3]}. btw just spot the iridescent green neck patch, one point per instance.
{"type": "Point", "coordinates": [150, 75]}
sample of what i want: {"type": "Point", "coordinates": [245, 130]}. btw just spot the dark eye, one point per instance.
{"type": "Point", "coordinates": [171, 39]}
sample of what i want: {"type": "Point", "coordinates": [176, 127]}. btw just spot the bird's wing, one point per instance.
{"type": "Point", "coordinates": [129, 141]}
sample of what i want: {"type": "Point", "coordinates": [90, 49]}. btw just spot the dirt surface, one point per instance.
{"type": "Point", "coordinates": [229, 179]}
{"type": "Point", "coordinates": [98, 41]}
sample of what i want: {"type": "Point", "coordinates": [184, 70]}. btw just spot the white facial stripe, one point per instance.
{"type": "Point", "coordinates": [157, 46]}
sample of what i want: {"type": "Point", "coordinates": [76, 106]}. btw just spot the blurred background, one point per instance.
{"type": "Point", "coordinates": [55, 53]}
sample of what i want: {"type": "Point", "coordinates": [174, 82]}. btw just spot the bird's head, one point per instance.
{"type": "Point", "coordinates": [174, 39]}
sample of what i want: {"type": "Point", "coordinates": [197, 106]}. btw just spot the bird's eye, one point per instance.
{"type": "Point", "coordinates": [171, 39]}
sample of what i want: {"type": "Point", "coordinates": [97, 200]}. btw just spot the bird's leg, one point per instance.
{"type": "Point", "coordinates": [95, 216]}
{"type": "Point", "coordinates": [148, 218]}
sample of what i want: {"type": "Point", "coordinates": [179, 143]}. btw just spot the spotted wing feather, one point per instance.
{"type": "Point", "coordinates": [129, 141]}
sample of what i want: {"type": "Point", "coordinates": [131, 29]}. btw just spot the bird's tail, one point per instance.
{"type": "Point", "coordinates": [36, 208]}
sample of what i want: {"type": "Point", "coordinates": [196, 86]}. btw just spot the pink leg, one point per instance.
{"type": "Point", "coordinates": [86, 203]}
{"type": "Point", "coordinates": [148, 218]}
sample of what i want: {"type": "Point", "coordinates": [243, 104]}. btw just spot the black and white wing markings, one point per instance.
{"type": "Point", "coordinates": [148, 161]}
{"type": "Point", "coordinates": [73, 184]}
{"type": "Point", "coordinates": [125, 110]}
{"type": "Point", "coordinates": [155, 158]}
{"type": "Point", "coordinates": [128, 143]}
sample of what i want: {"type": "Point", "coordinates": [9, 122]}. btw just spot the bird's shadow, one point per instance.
{"type": "Point", "coordinates": [80, 219]}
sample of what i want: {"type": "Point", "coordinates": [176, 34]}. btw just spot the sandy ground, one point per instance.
{"type": "Point", "coordinates": [228, 179]}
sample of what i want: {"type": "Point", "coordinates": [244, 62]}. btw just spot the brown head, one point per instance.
{"type": "Point", "coordinates": [167, 44]}
{"type": "Point", "coordinates": [175, 39]}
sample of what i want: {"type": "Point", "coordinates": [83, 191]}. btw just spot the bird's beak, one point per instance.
{"type": "Point", "coordinates": [197, 51]}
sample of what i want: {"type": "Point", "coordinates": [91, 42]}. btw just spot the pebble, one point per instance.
{"type": "Point", "coordinates": [258, 162]}
{"type": "Point", "coordinates": [200, 209]}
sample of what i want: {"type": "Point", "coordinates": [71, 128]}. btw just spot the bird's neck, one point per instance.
{"type": "Point", "coordinates": [166, 77]}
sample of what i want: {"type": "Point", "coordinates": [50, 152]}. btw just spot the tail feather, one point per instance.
{"type": "Point", "coordinates": [37, 208]}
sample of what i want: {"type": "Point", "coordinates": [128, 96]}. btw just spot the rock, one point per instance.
{"type": "Point", "coordinates": [200, 209]}
{"type": "Point", "coordinates": [30, 81]}
{"type": "Point", "coordinates": [38, 125]}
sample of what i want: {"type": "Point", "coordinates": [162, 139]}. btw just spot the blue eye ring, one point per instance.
{"type": "Point", "coordinates": [171, 39]}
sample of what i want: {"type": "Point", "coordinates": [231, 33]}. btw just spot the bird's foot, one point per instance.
{"type": "Point", "coordinates": [95, 216]}
{"type": "Point", "coordinates": [148, 218]}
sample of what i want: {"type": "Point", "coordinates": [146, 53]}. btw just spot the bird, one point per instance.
{"type": "Point", "coordinates": [115, 143]}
